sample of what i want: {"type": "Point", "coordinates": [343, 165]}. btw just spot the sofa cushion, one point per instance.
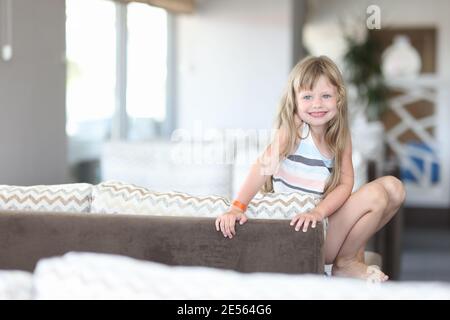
{"type": "Point", "coordinates": [15, 285]}
{"type": "Point", "coordinates": [74, 197]}
{"type": "Point", "coordinates": [119, 197]}
{"type": "Point", "coordinates": [81, 275]}
{"type": "Point", "coordinates": [124, 198]}
{"type": "Point", "coordinates": [281, 205]}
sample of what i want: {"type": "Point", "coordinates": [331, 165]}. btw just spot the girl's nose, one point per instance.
{"type": "Point", "coordinates": [317, 102]}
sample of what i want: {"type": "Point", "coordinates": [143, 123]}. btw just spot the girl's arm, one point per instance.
{"type": "Point", "coordinates": [336, 198]}
{"type": "Point", "coordinates": [264, 167]}
{"type": "Point", "coordinates": [260, 171]}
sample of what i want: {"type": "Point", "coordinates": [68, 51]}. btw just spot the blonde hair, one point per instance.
{"type": "Point", "coordinates": [304, 76]}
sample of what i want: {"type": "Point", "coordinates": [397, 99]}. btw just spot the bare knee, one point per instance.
{"type": "Point", "coordinates": [395, 189]}
{"type": "Point", "coordinates": [377, 197]}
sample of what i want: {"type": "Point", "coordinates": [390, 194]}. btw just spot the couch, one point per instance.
{"type": "Point", "coordinates": [171, 228]}
{"type": "Point", "coordinates": [83, 241]}
{"type": "Point", "coordinates": [260, 246]}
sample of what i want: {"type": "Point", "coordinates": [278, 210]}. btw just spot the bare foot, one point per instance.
{"type": "Point", "coordinates": [356, 269]}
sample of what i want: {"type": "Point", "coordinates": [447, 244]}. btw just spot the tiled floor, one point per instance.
{"type": "Point", "coordinates": [425, 255]}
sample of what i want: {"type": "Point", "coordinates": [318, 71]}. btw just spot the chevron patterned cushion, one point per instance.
{"type": "Point", "coordinates": [281, 205]}
{"type": "Point", "coordinates": [74, 197]}
{"type": "Point", "coordinates": [119, 197]}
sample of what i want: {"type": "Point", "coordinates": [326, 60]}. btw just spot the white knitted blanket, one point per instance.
{"type": "Point", "coordinates": [100, 276]}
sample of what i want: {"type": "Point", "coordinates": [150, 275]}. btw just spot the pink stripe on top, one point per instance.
{"type": "Point", "coordinates": [304, 171]}
{"type": "Point", "coordinates": [317, 185]}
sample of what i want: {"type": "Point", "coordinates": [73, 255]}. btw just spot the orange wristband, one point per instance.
{"type": "Point", "coordinates": [239, 205]}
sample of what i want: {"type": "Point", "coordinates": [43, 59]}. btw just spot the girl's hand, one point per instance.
{"type": "Point", "coordinates": [305, 219]}
{"type": "Point", "coordinates": [227, 221]}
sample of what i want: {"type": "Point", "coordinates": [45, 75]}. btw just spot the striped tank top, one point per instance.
{"type": "Point", "coordinates": [307, 170]}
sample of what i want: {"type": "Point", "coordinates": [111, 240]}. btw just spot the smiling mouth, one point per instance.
{"type": "Point", "coordinates": [318, 114]}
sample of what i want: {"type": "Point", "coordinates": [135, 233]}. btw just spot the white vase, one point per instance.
{"type": "Point", "coordinates": [400, 59]}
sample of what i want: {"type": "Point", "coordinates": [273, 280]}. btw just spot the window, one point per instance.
{"type": "Point", "coordinates": [91, 71]}
{"type": "Point", "coordinates": [146, 66]}
{"type": "Point", "coordinates": [146, 69]}
{"type": "Point", "coordinates": [116, 73]}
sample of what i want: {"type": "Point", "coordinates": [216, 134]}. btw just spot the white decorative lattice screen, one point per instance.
{"type": "Point", "coordinates": [424, 160]}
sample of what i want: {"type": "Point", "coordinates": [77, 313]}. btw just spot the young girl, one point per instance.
{"type": "Point", "coordinates": [312, 153]}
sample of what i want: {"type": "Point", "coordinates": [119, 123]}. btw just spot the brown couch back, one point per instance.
{"type": "Point", "coordinates": [259, 246]}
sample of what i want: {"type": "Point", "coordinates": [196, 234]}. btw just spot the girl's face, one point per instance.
{"type": "Point", "coordinates": [319, 105]}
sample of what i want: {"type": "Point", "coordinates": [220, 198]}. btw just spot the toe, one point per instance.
{"type": "Point", "coordinates": [375, 274]}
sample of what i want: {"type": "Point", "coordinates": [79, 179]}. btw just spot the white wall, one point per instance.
{"type": "Point", "coordinates": [32, 96]}
{"type": "Point", "coordinates": [234, 58]}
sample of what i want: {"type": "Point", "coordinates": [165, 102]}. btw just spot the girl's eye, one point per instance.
{"type": "Point", "coordinates": [327, 96]}
{"type": "Point", "coordinates": [307, 97]}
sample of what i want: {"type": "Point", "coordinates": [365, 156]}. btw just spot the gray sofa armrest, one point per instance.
{"type": "Point", "coordinates": [259, 246]}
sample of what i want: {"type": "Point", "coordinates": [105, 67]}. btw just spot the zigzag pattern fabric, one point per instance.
{"type": "Point", "coordinates": [75, 197]}
{"type": "Point", "coordinates": [281, 205]}
{"type": "Point", "coordinates": [117, 197]}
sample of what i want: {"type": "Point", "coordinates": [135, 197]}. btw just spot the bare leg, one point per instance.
{"type": "Point", "coordinates": [396, 194]}
{"type": "Point", "coordinates": [356, 221]}
{"type": "Point", "coordinates": [360, 254]}
{"type": "Point", "coordinates": [396, 197]}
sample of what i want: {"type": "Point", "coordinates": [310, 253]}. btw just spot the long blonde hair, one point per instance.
{"type": "Point", "coordinates": [304, 76]}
